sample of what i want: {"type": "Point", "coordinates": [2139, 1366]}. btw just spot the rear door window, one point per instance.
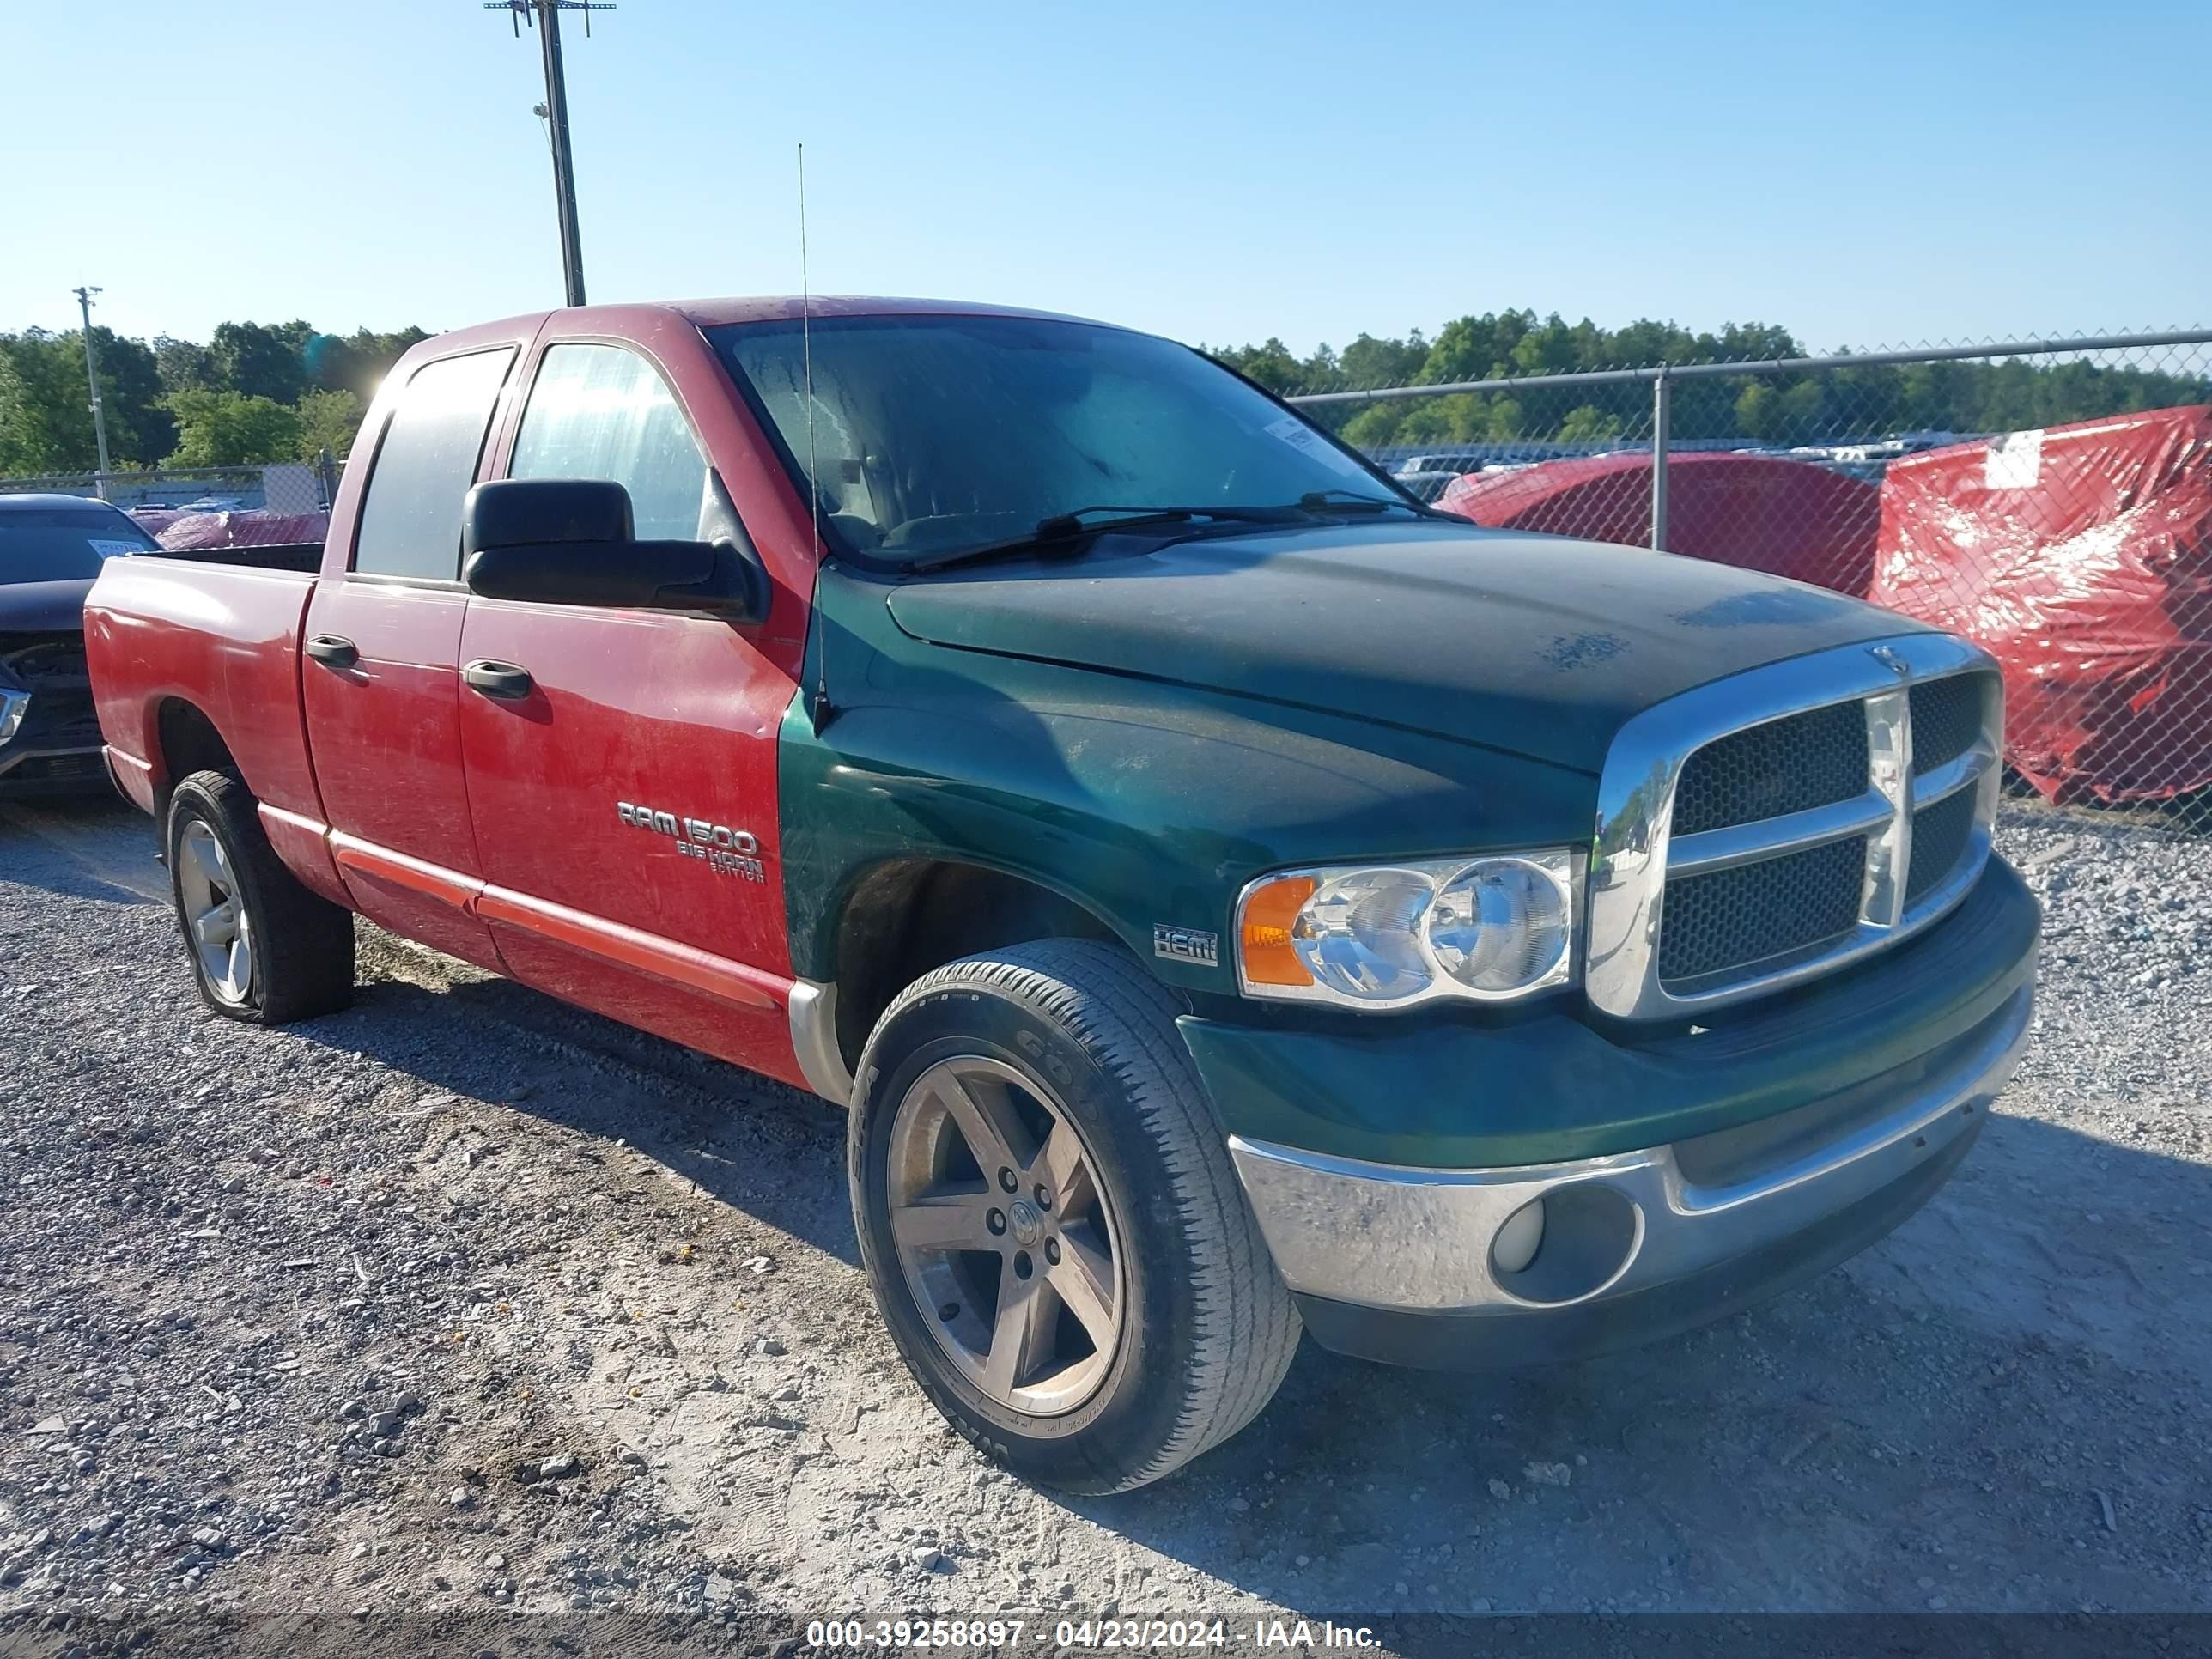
{"type": "Point", "coordinates": [598, 411]}
{"type": "Point", "coordinates": [410, 513]}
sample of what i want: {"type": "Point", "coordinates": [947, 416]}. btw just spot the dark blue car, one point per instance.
{"type": "Point", "coordinates": [50, 548]}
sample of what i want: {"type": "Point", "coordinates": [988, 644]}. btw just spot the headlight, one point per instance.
{"type": "Point", "coordinates": [1384, 936]}
{"type": "Point", "coordinates": [13, 705]}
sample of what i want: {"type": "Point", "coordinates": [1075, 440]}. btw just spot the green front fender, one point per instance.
{"type": "Point", "coordinates": [1144, 803]}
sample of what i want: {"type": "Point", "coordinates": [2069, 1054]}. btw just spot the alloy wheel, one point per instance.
{"type": "Point", "coordinates": [1007, 1238]}
{"type": "Point", "coordinates": [214, 912]}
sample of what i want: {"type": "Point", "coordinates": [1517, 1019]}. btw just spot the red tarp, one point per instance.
{"type": "Point", "coordinates": [251, 529]}
{"type": "Point", "coordinates": [154, 520]}
{"type": "Point", "coordinates": [2081, 558]}
{"type": "Point", "coordinates": [1794, 518]}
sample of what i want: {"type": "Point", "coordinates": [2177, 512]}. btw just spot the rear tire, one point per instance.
{"type": "Point", "coordinates": [1025, 1045]}
{"type": "Point", "coordinates": [264, 949]}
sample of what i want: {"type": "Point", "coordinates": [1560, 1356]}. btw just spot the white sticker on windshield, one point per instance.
{"type": "Point", "coordinates": [1300, 436]}
{"type": "Point", "coordinates": [108, 550]}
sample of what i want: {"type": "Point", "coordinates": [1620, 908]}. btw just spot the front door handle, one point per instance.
{"type": "Point", "coordinates": [502, 680]}
{"type": "Point", "coordinates": [333, 651]}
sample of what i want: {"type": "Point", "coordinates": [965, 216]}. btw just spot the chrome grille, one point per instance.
{"type": "Point", "coordinates": [1770, 827]}
{"type": "Point", "coordinates": [1947, 717]}
{"type": "Point", "coordinates": [1788, 765]}
{"type": "Point", "coordinates": [1717, 923]}
{"type": "Point", "coordinates": [1941, 834]}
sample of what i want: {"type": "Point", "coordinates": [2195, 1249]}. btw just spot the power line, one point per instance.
{"type": "Point", "coordinates": [545, 17]}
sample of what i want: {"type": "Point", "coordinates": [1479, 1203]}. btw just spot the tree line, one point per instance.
{"type": "Point", "coordinates": [1838, 405]}
{"type": "Point", "coordinates": [254, 392]}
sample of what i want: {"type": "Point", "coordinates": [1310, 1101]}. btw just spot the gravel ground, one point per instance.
{"type": "Point", "coordinates": [463, 1300]}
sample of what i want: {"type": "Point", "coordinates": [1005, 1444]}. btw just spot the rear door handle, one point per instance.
{"type": "Point", "coordinates": [333, 651]}
{"type": "Point", "coordinates": [502, 680]}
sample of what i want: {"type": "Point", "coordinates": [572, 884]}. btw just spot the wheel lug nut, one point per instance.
{"type": "Point", "coordinates": [1043, 1198]}
{"type": "Point", "coordinates": [1052, 1251]}
{"type": "Point", "coordinates": [1023, 1265]}
{"type": "Point", "coordinates": [1008, 1181]}
{"type": "Point", "coordinates": [996, 1221]}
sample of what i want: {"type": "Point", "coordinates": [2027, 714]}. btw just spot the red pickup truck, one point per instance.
{"type": "Point", "coordinates": [1233, 897]}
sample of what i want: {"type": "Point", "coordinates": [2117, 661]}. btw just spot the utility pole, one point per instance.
{"type": "Point", "coordinates": [545, 17]}
{"type": "Point", "coordinates": [92, 375]}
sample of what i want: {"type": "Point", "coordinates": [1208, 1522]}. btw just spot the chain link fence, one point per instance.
{"type": "Point", "coordinates": [289, 487]}
{"type": "Point", "coordinates": [2049, 500]}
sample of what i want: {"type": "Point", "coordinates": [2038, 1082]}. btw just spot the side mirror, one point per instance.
{"type": "Point", "coordinates": [571, 541]}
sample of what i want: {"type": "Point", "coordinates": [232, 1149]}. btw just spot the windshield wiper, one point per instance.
{"type": "Point", "coordinates": [1350, 501]}
{"type": "Point", "coordinates": [1068, 531]}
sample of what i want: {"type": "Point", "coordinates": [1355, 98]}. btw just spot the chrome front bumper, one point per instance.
{"type": "Point", "coordinates": [1421, 1241]}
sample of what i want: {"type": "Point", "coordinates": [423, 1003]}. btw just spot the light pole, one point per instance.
{"type": "Point", "coordinates": [92, 375]}
{"type": "Point", "coordinates": [546, 15]}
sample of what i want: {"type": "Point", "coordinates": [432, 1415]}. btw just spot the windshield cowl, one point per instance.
{"type": "Point", "coordinates": [1069, 535]}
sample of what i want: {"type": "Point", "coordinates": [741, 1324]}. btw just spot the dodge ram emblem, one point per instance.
{"type": "Point", "coordinates": [727, 851]}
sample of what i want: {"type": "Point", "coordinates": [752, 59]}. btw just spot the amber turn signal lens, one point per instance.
{"type": "Point", "coordinates": [1264, 939]}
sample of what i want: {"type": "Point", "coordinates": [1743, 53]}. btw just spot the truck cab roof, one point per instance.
{"type": "Point", "coordinates": [744, 308]}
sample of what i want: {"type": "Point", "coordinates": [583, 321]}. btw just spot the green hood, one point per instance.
{"type": "Point", "coordinates": [1529, 644]}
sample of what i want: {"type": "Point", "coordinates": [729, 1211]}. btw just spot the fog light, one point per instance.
{"type": "Point", "coordinates": [1518, 1240]}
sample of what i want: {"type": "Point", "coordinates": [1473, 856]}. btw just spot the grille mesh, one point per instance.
{"type": "Point", "coordinates": [1732, 918]}
{"type": "Point", "coordinates": [61, 715]}
{"type": "Point", "coordinates": [1788, 765]}
{"type": "Point", "coordinates": [59, 661]}
{"type": "Point", "coordinates": [1940, 835]}
{"type": "Point", "coordinates": [1947, 718]}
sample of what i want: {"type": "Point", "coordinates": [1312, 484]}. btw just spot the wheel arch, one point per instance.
{"type": "Point", "coordinates": [184, 740]}
{"type": "Point", "coordinates": [899, 918]}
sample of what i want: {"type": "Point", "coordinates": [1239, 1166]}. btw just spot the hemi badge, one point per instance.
{"type": "Point", "coordinates": [1186, 945]}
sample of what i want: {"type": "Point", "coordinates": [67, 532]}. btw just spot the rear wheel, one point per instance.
{"type": "Point", "coordinates": [1050, 1222]}
{"type": "Point", "coordinates": [264, 949]}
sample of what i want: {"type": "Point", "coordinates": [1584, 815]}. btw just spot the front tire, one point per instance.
{"type": "Point", "coordinates": [1050, 1222]}
{"type": "Point", "coordinates": [264, 949]}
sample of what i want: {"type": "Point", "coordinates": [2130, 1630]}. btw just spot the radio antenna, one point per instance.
{"type": "Point", "coordinates": [822, 709]}
{"type": "Point", "coordinates": [806, 348]}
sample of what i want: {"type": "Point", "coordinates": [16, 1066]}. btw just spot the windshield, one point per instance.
{"type": "Point", "coordinates": [936, 435]}
{"type": "Point", "coordinates": [63, 544]}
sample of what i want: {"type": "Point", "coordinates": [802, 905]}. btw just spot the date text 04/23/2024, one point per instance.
{"type": "Point", "coordinates": [1148, 1635]}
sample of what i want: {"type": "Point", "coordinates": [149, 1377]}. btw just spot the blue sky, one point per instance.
{"type": "Point", "coordinates": [1865, 175]}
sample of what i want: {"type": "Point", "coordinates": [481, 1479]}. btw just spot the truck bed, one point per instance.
{"type": "Point", "coordinates": [218, 631]}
